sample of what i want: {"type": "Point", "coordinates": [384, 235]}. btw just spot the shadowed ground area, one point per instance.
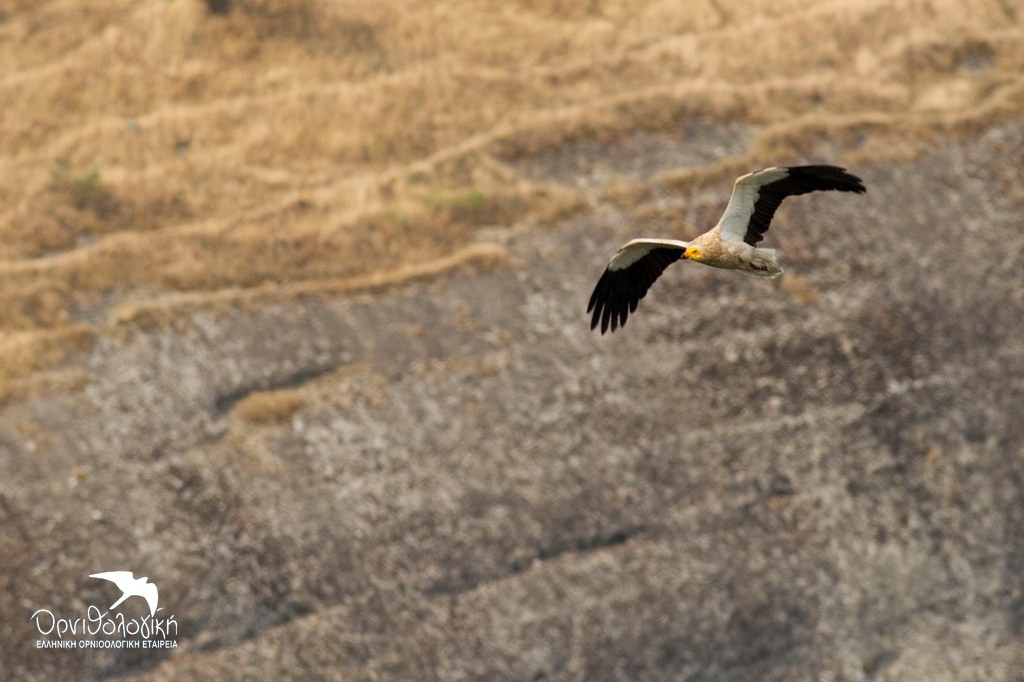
{"type": "Point", "coordinates": [292, 323]}
{"type": "Point", "coordinates": [815, 478]}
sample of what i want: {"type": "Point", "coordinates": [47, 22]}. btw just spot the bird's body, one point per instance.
{"type": "Point", "coordinates": [131, 587]}
{"type": "Point", "coordinates": [731, 244]}
{"type": "Point", "coordinates": [732, 255]}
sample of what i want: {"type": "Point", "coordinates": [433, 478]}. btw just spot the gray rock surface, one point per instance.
{"type": "Point", "coordinates": [752, 481]}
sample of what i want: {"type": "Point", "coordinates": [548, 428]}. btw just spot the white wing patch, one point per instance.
{"type": "Point", "coordinates": [636, 249]}
{"type": "Point", "coordinates": [733, 224]}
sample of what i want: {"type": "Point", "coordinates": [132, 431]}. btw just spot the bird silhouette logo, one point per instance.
{"type": "Point", "coordinates": [131, 586]}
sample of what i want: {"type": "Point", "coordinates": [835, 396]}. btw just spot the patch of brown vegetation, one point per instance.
{"type": "Point", "coordinates": [154, 150]}
{"type": "Point", "coordinates": [269, 407]}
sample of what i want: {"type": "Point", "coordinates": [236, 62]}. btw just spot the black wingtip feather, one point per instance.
{"type": "Point", "coordinates": [618, 292]}
{"type": "Point", "coordinates": [824, 177]}
{"type": "Point", "coordinates": [798, 180]}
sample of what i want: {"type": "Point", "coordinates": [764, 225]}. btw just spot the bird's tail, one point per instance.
{"type": "Point", "coordinates": [764, 264]}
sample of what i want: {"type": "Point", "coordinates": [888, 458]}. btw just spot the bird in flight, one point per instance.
{"type": "Point", "coordinates": [131, 587]}
{"type": "Point", "coordinates": [731, 244]}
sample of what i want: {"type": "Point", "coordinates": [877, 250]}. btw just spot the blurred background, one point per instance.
{"type": "Point", "coordinates": [292, 322]}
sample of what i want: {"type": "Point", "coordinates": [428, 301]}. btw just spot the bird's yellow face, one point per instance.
{"type": "Point", "coordinates": [693, 253]}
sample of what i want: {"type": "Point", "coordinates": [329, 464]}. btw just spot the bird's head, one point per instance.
{"type": "Point", "coordinates": [692, 252]}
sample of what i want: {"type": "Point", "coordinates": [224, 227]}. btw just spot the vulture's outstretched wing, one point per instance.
{"type": "Point", "coordinates": [755, 196]}
{"type": "Point", "coordinates": [629, 275]}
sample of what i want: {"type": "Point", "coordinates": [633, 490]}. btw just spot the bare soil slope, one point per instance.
{"type": "Point", "coordinates": [819, 479]}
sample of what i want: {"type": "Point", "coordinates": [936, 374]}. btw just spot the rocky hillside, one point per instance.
{"type": "Point", "coordinates": [292, 323]}
{"type": "Point", "coordinates": [821, 477]}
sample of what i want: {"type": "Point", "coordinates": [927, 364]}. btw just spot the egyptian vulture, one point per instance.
{"type": "Point", "coordinates": [731, 244]}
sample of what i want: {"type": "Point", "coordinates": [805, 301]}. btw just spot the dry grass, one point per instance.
{"type": "Point", "coordinates": [268, 407]}
{"type": "Point", "coordinates": [155, 150]}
